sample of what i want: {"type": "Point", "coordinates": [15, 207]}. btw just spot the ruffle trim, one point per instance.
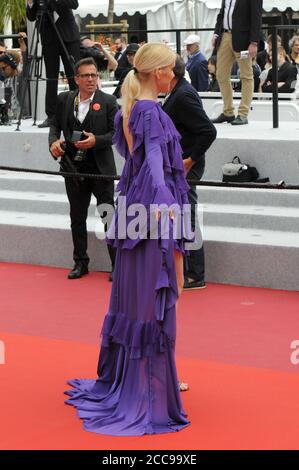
{"type": "Point", "coordinates": [142, 339]}
{"type": "Point", "coordinates": [143, 191]}
{"type": "Point", "coordinates": [162, 129]}
{"type": "Point", "coordinates": [149, 114]}
{"type": "Point", "coordinates": [147, 120]}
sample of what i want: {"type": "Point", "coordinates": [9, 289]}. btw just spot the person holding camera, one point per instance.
{"type": "Point", "coordinates": [86, 119]}
{"type": "Point", "coordinates": [236, 37]}
{"type": "Point", "coordinates": [61, 13]}
{"type": "Point", "coordinates": [9, 66]}
{"type": "Point", "coordinates": [103, 58]}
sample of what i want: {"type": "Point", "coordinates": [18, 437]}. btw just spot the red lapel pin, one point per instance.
{"type": "Point", "coordinates": [96, 106]}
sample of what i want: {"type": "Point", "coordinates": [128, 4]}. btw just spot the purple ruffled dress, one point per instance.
{"type": "Point", "coordinates": [137, 390]}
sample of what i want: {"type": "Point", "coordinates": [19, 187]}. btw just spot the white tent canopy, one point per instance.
{"type": "Point", "coordinates": [268, 5]}
{"type": "Point", "coordinates": [174, 14]}
{"type": "Point", "coordinates": [96, 7]}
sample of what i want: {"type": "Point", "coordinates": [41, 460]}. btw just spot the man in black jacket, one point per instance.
{"type": "Point", "coordinates": [185, 108]}
{"type": "Point", "coordinates": [237, 34]}
{"type": "Point", "coordinates": [121, 57]}
{"type": "Point", "coordinates": [90, 112]}
{"type": "Point", "coordinates": [130, 53]}
{"type": "Point", "coordinates": [61, 12]}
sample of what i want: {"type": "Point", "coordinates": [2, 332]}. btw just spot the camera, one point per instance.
{"type": "Point", "coordinates": [80, 155]}
{"type": "Point", "coordinates": [42, 4]}
{"type": "Point", "coordinates": [42, 7]}
{"type": "Point", "coordinates": [5, 105]}
{"type": "Point", "coordinates": [4, 119]}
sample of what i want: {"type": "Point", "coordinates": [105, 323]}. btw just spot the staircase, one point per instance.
{"type": "Point", "coordinates": [251, 236]}
{"type": "Point", "coordinates": [35, 225]}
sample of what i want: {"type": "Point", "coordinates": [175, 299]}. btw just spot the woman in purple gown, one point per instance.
{"type": "Point", "coordinates": [137, 390]}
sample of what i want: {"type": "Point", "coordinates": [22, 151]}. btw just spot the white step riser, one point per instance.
{"type": "Point", "coordinates": [229, 263]}
{"type": "Point", "coordinates": [50, 247]}
{"type": "Point", "coordinates": [205, 194]}
{"type": "Point", "coordinates": [262, 221]}
{"type": "Point", "coordinates": [258, 221]}
{"type": "Point", "coordinates": [249, 197]}
{"type": "Point", "coordinates": [233, 262]}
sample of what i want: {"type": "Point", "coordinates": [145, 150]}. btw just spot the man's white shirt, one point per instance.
{"type": "Point", "coordinates": [228, 14]}
{"type": "Point", "coordinates": [83, 108]}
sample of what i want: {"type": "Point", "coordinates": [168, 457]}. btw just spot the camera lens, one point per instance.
{"type": "Point", "coordinates": [80, 156]}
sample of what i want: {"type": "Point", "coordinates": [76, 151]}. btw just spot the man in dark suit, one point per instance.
{"type": "Point", "coordinates": [184, 106]}
{"type": "Point", "coordinates": [237, 34]}
{"type": "Point", "coordinates": [287, 75]}
{"type": "Point", "coordinates": [197, 65]}
{"type": "Point", "coordinates": [90, 112]}
{"type": "Point", "coordinates": [130, 53]}
{"type": "Point", "coordinates": [121, 57]}
{"type": "Point", "coordinates": [61, 12]}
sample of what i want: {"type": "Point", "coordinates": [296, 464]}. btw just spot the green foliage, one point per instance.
{"type": "Point", "coordinates": [14, 9]}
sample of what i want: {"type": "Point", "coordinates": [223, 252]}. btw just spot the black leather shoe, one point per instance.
{"type": "Point", "coordinates": [192, 284]}
{"type": "Point", "coordinates": [223, 118]}
{"type": "Point", "coordinates": [44, 124]}
{"type": "Point", "coordinates": [78, 271]}
{"type": "Point", "coordinates": [239, 121]}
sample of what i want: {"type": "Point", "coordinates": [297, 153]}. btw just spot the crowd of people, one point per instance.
{"type": "Point", "coordinates": [200, 71]}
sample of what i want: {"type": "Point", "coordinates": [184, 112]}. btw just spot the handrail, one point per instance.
{"type": "Point", "coordinates": [192, 181]}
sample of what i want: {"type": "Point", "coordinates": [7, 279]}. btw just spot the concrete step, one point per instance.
{"type": "Point", "coordinates": [251, 236]}
{"type": "Point", "coordinates": [275, 218]}
{"type": "Point", "coordinates": [257, 217]}
{"type": "Point", "coordinates": [245, 196]}
{"type": "Point", "coordinates": [243, 256]}
{"type": "Point", "coordinates": [252, 257]}
{"type": "Point", "coordinates": [46, 239]}
{"type": "Point", "coordinates": [38, 202]}
{"type": "Point", "coordinates": [12, 181]}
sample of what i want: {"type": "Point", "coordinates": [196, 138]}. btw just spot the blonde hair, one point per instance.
{"type": "Point", "coordinates": [281, 50]}
{"type": "Point", "coordinates": [148, 58]}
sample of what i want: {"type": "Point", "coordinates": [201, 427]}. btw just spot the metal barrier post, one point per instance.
{"type": "Point", "coordinates": [275, 79]}
{"type": "Point", "coordinates": [178, 41]}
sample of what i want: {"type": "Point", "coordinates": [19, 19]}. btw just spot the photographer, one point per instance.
{"type": "Point", "coordinates": [61, 12]}
{"type": "Point", "coordinates": [103, 58]}
{"type": "Point", "coordinates": [12, 66]}
{"type": "Point", "coordinates": [86, 118]}
{"type": "Point", "coordinates": [9, 63]}
{"type": "Point", "coordinates": [3, 49]}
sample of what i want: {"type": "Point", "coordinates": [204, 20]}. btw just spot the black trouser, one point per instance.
{"type": "Point", "coordinates": [52, 53]}
{"type": "Point", "coordinates": [79, 195]}
{"type": "Point", "coordinates": [194, 264]}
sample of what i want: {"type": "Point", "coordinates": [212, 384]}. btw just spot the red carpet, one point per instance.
{"type": "Point", "coordinates": [233, 349]}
